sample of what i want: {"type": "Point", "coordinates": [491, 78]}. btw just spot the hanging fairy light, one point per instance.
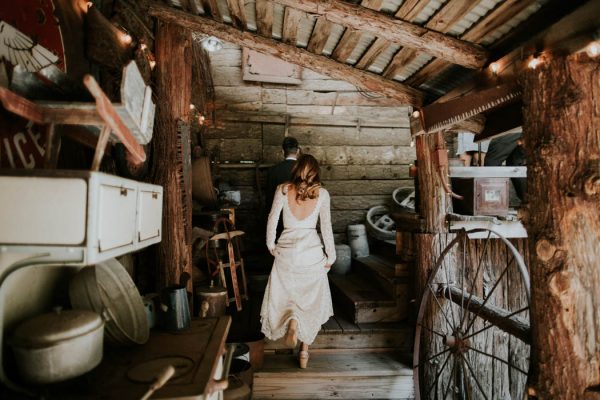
{"type": "Point", "coordinates": [416, 114]}
{"type": "Point", "coordinates": [593, 49]}
{"type": "Point", "coordinates": [534, 62]}
{"type": "Point", "coordinates": [494, 67]}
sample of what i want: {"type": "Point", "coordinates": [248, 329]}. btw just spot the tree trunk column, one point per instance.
{"type": "Point", "coordinates": [174, 82]}
{"type": "Point", "coordinates": [562, 139]}
{"type": "Point", "coordinates": [433, 203]}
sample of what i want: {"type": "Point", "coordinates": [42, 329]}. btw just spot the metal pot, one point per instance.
{"type": "Point", "coordinates": [57, 346]}
{"type": "Point", "coordinates": [174, 309]}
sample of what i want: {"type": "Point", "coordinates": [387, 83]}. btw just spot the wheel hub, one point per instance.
{"type": "Point", "coordinates": [456, 343]}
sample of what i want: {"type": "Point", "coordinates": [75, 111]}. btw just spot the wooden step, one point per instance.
{"type": "Point", "coordinates": [364, 301]}
{"type": "Point", "coordinates": [340, 333]}
{"type": "Point", "coordinates": [335, 375]}
{"type": "Point", "coordinates": [383, 271]}
{"type": "Point", "coordinates": [383, 248]}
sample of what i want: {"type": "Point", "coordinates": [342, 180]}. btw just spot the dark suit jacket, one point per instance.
{"type": "Point", "coordinates": [277, 174]}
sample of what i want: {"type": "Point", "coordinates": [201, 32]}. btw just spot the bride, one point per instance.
{"type": "Point", "coordinates": [297, 298]}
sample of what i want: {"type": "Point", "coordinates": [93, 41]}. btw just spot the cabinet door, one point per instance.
{"type": "Point", "coordinates": [116, 216]}
{"type": "Point", "coordinates": [42, 211]}
{"type": "Point", "coordinates": [149, 214]}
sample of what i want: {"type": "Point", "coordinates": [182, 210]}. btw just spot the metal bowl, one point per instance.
{"type": "Point", "coordinates": [107, 289]}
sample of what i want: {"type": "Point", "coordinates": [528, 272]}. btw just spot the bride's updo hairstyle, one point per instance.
{"type": "Point", "coordinates": [305, 177]}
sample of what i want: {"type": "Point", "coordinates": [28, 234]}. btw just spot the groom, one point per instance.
{"type": "Point", "coordinates": [281, 172]}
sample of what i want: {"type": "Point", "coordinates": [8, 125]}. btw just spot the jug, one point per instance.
{"type": "Point", "coordinates": [174, 308]}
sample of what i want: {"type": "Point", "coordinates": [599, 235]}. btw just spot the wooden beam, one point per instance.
{"type": "Point", "coordinates": [237, 13]}
{"type": "Point", "coordinates": [442, 21]}
{"type": "Point", "coordinates": [372, 4]}
{"type": "Point", "coordinates": [488, 172]}
{"type": "Point", "coordinates": [494, 19]}
{"type": "Point", "coordinates": [321, 64]}
{"type": "Point", "coordinates": [374, 51]}
{"type": "Point", "coordinates": [291, 22]}
{"type": "Point", "coordinates": [211, 7]}
{"type": "Point", "coordinates": [398, 31]}
{"type": "Point", "coordinates": [410, 9]}
{"type": "Point", "coordinates": [320, 35]}
{"type": "Point", "coordinates": [264, 17]}
{"type": "Point", "coordinates": [499, 317]}
{"type": "Point", "coordinates": [346, 45]}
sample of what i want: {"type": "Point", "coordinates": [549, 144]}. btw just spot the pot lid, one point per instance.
{"type": "Point", "coordinates": [56, 326]}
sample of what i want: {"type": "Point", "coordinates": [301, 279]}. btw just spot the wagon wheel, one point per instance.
{"type": "Point", "coordinates": [472, 335]}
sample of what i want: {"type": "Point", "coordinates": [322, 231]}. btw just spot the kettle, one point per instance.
{"type": "Point", "coordinates": [174, 308]}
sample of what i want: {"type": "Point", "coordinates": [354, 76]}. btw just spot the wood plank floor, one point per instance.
{"type": "Point", "coordinates": [335, 375]}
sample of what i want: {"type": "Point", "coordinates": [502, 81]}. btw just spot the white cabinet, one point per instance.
{"type": "Point", "coordinates": [89, 216]}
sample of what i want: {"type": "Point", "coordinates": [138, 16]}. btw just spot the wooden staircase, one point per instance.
{"type": "Point", "coordinates": [363, 352]}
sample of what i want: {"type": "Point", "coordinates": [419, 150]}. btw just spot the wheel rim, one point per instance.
{"type": "Point", "coordinates": [466, 304]}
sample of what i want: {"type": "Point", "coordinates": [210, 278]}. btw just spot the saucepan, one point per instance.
{"type": "Point", "coordinates": [57, 346]}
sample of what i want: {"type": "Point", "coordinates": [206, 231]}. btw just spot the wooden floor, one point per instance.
{"type": "Point", "coordinates": [371, 375]}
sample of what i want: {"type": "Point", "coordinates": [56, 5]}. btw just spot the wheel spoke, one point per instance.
{"type": "Point", "coordinates": [431, 358]}
{"type": "Point", "coordinates": [432, 331]}
{"type": "Point", "coordinates": [485, 328]}
{"type": "Point", "coordinates": [497, 359]}
{"type": "Point", "coordinates": [473, 374]}
{"type": "Point", "coordinates": [437, 376]}
{"type": "Point", "coordinates": [462, 283]}
{"type": "Point", "coordinates": [479, 264]}
{"type": "Point", "coordinates": [441, 308]}
{"type": "Point", "coordinates": [451, 305]}
{"type": "Point", "coordinates": [489, 296]}
{"type": "Point", "coordinates": [450, 379]}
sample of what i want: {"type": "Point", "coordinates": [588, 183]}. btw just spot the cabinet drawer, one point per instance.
{"type": "Point", "coordinates": [149, 214]}
{"type": "Point", "coordinates": [116, 216]}
{"type": "Point", "coordinates": [42, 211]}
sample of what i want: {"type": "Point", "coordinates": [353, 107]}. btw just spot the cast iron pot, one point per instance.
{"type": "Point", "coordinates": [57, 346]}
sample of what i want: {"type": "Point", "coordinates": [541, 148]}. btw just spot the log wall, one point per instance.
{"type": "Point", "coordinates": [362, 142]}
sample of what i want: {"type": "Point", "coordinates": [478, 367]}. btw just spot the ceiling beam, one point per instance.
{"type": "Point", "coordinates": [395, 30]}
{"type": "Point", "coordinates": [362, 79]}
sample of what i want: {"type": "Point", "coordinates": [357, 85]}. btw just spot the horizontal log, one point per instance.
{"type": "Point", "coordinates": [317, 120]}
{"type": "Point", "coordinates": [395, 30]}
{"type": "Point", "coordinates": [336, 155]}
{"type": "Point", "coordinates": [236, 149]}
{"type": "Point", "coordinates": [365, 172]}
{"type": "Point", "coordinates": [359, 78]}
{"type": "Point", "coordinates": [235, 130]}
{"type": "Point", "coordinates": [338, 135]}
{"type": "Point", "coordinates": [357, 187]}
{"type": "Point", "coordinates": [340, 219]}
{"type": "Point", "coordinates": [499, 317]}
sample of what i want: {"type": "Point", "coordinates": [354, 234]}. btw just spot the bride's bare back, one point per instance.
{"type": "Point", "coordinates": [300, 209]}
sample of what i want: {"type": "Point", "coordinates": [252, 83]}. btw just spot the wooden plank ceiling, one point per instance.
{"type": "Point", "coordinates": [404, 45]}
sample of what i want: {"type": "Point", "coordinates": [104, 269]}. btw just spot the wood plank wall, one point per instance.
{"type": "Point", "coordinates": [362, 141]}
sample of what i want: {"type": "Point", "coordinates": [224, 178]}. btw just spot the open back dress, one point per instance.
{"type": "Point", "coordinates": [298, 287]}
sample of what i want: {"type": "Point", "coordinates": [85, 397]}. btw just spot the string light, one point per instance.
{"type": "Point", "coordinates": [143, 47]}
{"type": "Point", "coordinates": [593, 49]}
{"type": "Point", "coordinates": [201, 119]}
{"type": "Point", "coordinates": [494, 67]}
{"type": "Point", "coordinates": [126, 38]}
{"type": "Point", "coordinates": [192, 107]}
{"type": "Point", "coordinates": [416, 114]}
{"type": "Point", "coordinates": [534, 63]}
{"type": "Point", "coordinates": [152, 64]}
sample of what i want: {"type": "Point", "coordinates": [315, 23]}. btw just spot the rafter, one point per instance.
{"type": "Point", "coordinates": [318, 63]}
{"type": "Point", "coordinates": [403, 33]}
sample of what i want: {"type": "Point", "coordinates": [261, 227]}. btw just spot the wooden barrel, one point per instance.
{"type": "Point", "coordinates": [212, 301]}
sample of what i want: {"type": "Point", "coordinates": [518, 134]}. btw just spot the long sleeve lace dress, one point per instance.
{"type": "Point", "coordinates": [298, 287]}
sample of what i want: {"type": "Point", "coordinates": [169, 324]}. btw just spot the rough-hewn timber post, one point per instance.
{"type": "Point", "coordinates": [432, 204]}
{"type": "Point", "coordinates": [173, 81]}
{"type": "Point", "coordinates": [562, 138]}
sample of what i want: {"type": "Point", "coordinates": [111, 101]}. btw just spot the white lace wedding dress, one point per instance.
{"type": "Point", "coordinates": [298, 287]}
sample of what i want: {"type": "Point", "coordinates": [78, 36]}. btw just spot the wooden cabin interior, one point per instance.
{"type": "Point", "coordinates": [459, 141]}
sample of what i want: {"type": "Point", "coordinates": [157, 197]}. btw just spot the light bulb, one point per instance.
{"type": "Point", "coordinates": [494, 67]}
{"type": "Point", "coordinates": [534, 62]}
{"type": "Point", "coordinates": [126, 38]}
{"type": "Point", "coordinates": [416, 114]}
{"type": "Point", "coordinates": [593, 49]}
